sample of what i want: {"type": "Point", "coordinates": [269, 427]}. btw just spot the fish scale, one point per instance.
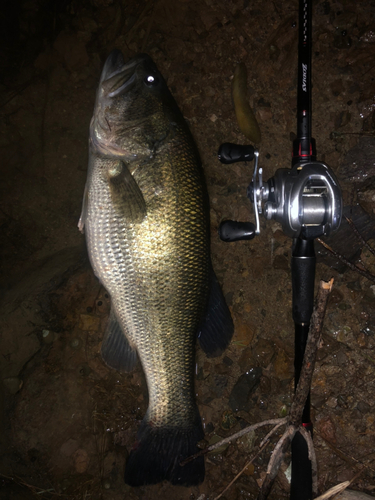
{"type": "Point", "coordinates": [151, 266]}
{"type": "Point", "coordinates": [146, 219]}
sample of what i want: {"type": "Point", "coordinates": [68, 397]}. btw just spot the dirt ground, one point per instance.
{"type": "Point", "coordinates": [67, 422]}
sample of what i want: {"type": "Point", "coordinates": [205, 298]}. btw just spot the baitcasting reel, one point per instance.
{"type": "Point", "coordinates": [306, 199]}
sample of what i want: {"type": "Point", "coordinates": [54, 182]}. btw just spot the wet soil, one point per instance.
{"type": "Point", "coordinates": [67, 422]}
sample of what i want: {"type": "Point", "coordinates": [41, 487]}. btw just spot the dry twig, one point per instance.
{"type": "Point", "coordinates": [347, 262]}
{"type": "Point", "coordinates": [275, 421]}
{"type": "Point", "coordinates": [302, 391]}
{"type": "Point", "coordinates": [339, 488]}
{"type": "Point", "coordinates": [295, 416]}
{"type": "Point", "coordinates": [359, 236]}
{"type": "Point", "coordinates": [261, 448]}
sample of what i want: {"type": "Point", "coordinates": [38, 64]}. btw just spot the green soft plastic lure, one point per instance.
{"type": "Point", "coordinates": [245, 115]}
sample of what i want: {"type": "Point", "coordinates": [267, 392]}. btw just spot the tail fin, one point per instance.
{"type": "Point", "coordinates": [158, 453]}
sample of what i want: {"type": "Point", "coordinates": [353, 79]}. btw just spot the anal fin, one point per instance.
{"type": "Point", "coordinates": [116, 351]}
{"type": "Point", "coordinates": [216, 329]}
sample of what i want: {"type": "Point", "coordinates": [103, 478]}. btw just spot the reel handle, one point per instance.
{"type": "Point", "coordinates": [232, 153]}
{"type": "Point", "coordinates": [230, 230]}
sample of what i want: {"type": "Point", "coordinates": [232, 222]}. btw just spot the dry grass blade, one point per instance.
{"type": "Point", "coordinates": [34, 489]}
{"type": "Point", "coordinates": [345, 261]}
{"type": "Point", "coordinates": [359, 236]}
{"type": "Point", "coordinates": [243, 470]}
{"type": "Point", "coordinates": [339, 488]}
{"type": "Point", "coordinates": [229, 439]}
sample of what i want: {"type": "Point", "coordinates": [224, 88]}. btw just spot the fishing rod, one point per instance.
{"type": "Point", "coordinates": [306, 200]}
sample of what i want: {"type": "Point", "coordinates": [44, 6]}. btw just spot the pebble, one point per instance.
{"type": "Point", "coordinates": [281, 262]}
{"type": "Point", "coordinates": [81, 460]}
{"type": "Point", "coordinates": [89, 322]}
{"type": "Point", "coordinates": [76, 343]}
{"type": "Point", "coordinates": [247, 441]}
{"type": "Point", "coordinates": [49, 336]}
{"type": "Point", "coordinates": [229, 362]}
{"type": "Point", "coordinates": [263, 351]}
{"type": "Point", "coordinates": [69, 447]}
{"type": "Point", "coordinates": [363, 407]}
{"type": "Point", "coordinates": [244, 334]}
{"type": "Point", "coordinates": [228, 420]}
{"type": "Point", "coordinates": [13, 384]}
{"type": "Point", "coordinates": [243, 388]}
{"type": "Point", "coordinates": [327, 429]}
{"type": "Point", "coordinates": [218, 385]}
{"type": "Point", "coordinates": [283, 366]}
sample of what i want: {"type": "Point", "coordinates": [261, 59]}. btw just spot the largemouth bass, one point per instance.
{"type": "Point", "coordinates": [146, 220]}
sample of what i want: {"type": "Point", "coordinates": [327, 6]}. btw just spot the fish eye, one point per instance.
{"type": "Point", "coordinates": [151, 80]}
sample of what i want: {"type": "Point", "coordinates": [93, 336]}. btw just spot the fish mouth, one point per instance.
{"type": "Point", "coordinates": [118, 77]}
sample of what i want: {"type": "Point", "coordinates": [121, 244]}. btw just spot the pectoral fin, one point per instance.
{"type": "Point", "coordinates": [116, 351]}
{"type": "Point", "coordinates": [126, 196]}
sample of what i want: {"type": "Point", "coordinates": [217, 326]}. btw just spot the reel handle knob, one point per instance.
{"type": "Point", "coordinates": [232, 153]}
{"type": "Point", "coordinates": [230, 230]}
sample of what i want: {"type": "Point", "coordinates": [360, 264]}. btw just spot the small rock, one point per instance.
{"type": "Point", "coordinates": [281, 262]}
{"type": "Point", "coordinates": [219, 384]}
{"type": "Point", "coordinates": [13, 384]}
{"type": "Point", "coordinates": [363, 407]}
{"type": "Point", "coordinates": [283, 366]}
{"type": "Point", "coordinates": [331, 402]}
{"type": "Point", "coordinates": [342, 358]}
{"type": "Point", "coordinates": [81, 460]}
{"type": "Point", "coordinates": [222, 369]}
{"type": "Point", "coordinates": [244, 334]}
{"type": "Point", "coordinates": [354, 285]}
{"type": "Point", "coordinates": [245, 359]}
{"type": "Point", "coordinates": [265, 385]}
{"type": "Point", "coordinates": [228, 420]}
{"type": "Point", "coordinates": [249, 470]}
{"type": "Point", "coordinates": [337, 87]}
{"type": "Point", "coordinates": [264, 114]}
{"type": "Point", "coordinates": [335, 297]}
{"type": "Point", "coordinates": [49, 336]}
{"type": "Point", "coordinates": [263, 352]}
{"type": "Point", "coordinates": [247, 441]}
{"type": "Point", "coordinates": [206, 414]}
{"type": "Point", "coordinates": [243, 388]}
{"type": "Point", "coordinates": [89, 322]}
{"type": "Point", "coordinates": [327, 430]}
{"type": "Point", "coordinates": [342, 401]}
{"type": "Point", "coordinates": [209, 428]}
{"type": "Point", "coordinates": [227, 361]}
{"type": "Point", "coordinates": [69, 447]}
{"type": "Point", "coordinates": [76, 343]}
{"type": "Point", "coordinates": [85, 370]}
{"type": "Point", "coordinates": [342, 119]}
